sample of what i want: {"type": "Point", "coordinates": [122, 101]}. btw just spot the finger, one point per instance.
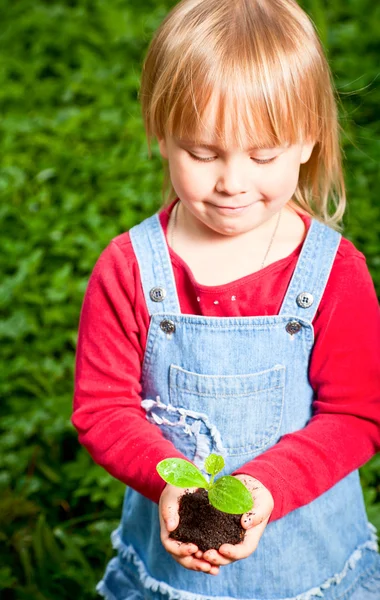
{"type": "Point", "coordinates": [179, 549]}
{"type": "Point", "coordinates": [262, 501]}
{"type": "Point", "coordinates": [215, 558]}
{"type": "Point", "coordinates": [246, 547]}
{"type": "Point", "coordinates": [233, 553]}
{"type": "Point", "coordinates": [254, 518]}
{"type": "Point", "coordinates": [170, 516]}
{"type": "Point", "coordinates": [195, 564]}
{"type": "Point", "coordinates": [260, 513]}
{"type": "Point", "coordinates": [169, 504]}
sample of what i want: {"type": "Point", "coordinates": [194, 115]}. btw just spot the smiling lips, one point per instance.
{"type": "Point", "coordinates": [231, 208]}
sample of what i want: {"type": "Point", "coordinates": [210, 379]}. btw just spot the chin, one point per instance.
{"type": "Point", "coordinates": [231, 231]}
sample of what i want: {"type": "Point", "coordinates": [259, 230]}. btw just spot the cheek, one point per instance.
{"type": "Point", "coordinates": [282, 184]}
{"type": "Point", "coordinates": [189, 181]}
{"type": "Point", "coordinates": [182, 183]}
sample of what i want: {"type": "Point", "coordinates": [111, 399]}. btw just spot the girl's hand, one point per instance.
{"type": "Point", "coordinates": [254, 522]}
{"type": "Point", "coordinates": [184, 554]}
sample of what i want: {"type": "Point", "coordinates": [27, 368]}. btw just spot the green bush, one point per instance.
{"type": "Point", "coordinates": [75, 173]}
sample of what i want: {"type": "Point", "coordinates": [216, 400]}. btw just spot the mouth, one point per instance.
{"type": "Point", "coordinates": [231, 209]}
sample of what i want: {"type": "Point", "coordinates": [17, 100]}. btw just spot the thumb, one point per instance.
{"type": "Point", "coordinates": [169, 513]}
{"type": "Point", "coordinates": [259, 514]}
{"type": "Point", "coordinates": [250, 519]}
{"type": "Point", "coordinates": [171, 520]}
{"type": "Point", "coordinates": [262, 503]}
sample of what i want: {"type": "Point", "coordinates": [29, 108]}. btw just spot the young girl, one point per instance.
{"type": "Point", "coordinates": [237, 321]}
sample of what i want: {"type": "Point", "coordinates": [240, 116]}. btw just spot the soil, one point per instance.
{"type": "Point", "coordinates": [203, 525]}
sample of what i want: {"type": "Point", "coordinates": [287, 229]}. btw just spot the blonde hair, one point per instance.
{"type": "Point", "coordinates": [263, 63]}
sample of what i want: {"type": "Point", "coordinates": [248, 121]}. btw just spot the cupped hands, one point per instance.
{"type": "Point", "coordinates": [189, 556]}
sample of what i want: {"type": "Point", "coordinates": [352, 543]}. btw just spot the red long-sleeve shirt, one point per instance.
{"type": "Point", "coordinates": [344, 431]}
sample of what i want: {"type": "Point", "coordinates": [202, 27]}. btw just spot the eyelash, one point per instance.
{"type": "Point", "coordinates": [259, 161]}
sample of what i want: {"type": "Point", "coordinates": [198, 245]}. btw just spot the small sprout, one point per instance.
{"type": "Point", "coordinates": [227, 493]}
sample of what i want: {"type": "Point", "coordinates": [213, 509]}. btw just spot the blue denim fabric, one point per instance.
{"type": "Point", "coordinates": [234, 386]}
{"type": "Point", "coordinates": [367, 587]}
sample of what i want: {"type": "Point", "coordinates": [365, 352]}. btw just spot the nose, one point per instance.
{"type": "Point", "coordinates": [232, 179]}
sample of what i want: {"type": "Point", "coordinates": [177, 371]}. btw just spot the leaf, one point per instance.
{"type": "Point", "coordinates": [45, 174]}
{"type": "Point", "coordinates": [7, 580]}
{"type": "Point", "coordinates": [230, 495]}
{"type": "Point", "coordinates": [25, 559]}
{"type": "Point", "coordinates": [181, 473]}
{"type": "Point", "coordinates": [37, 540]}
{"type": "Point", "coordinates": [50, 544]}
{"type": "Point", "coordinates": [214, 464]}
{"type": "Point", "coordinates": [49, 473]}
{"type": "Point", "coordinates": [73, 552]}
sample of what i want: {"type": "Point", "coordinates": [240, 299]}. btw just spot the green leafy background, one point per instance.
{"type": "Point", "coordinates": [74, 173]}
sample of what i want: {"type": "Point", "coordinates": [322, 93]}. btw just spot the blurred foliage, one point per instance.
{"type": "Point", "coordinates": [74, 173]}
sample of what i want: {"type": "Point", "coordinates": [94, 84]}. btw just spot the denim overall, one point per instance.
{"type": "Point", "coordinates": [234, 386]}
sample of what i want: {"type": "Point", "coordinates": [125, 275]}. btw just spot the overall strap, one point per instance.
{"type": "Point", "coordinates": [156, 271]}
{"type": "Point", "coordinates": [312, 272]}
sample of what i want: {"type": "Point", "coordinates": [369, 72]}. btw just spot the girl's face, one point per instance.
{"type": "Point", "coordinates": [231, 190]}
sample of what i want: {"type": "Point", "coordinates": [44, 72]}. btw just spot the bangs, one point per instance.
{"type": "Point", "coordinates": [244, 113]}
{"type": "Point", "coordinates": [262, 80]}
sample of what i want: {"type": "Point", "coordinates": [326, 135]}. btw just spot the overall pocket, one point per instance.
{"type": "Point", "coordinates": [232, 415]}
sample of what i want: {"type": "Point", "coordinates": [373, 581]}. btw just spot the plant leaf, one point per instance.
{"type": "Point", "coordinates": [214, 464]}
{"type": "Point", "coordinates": [181, 473]}
{"type": "Point", "coordinates": [230, 495]}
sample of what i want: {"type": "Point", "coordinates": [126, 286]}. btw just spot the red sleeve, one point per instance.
{"type": "Point", "coordinates": [344, 431]}
{"type": "Point", "coordinates": [107, 411]}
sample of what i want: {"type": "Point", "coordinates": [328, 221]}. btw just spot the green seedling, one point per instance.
{"type": "Point", "coordinates": [227, 493]}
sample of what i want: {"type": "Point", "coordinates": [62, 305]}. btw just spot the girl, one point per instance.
{"type": "Point", "coordinates": [237, 321]}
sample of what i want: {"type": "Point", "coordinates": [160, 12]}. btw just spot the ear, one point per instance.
{"type": "Point", "coordinates": [307, 149]}
{"type": "Point", "coordinates": [163, 147]}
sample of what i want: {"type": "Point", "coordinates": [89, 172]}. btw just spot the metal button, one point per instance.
{"type": "Point", "coordinates": [167, 326]}
{"type": "Point", "coordinates": [293, 327]}
{"type": "Point", "coordinates": [304, 299]}
{"type": "Point", "coordinates": [157, 294]}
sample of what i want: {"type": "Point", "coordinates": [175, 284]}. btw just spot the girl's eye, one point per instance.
{"type": "Point", "coordinates": [264, 161]}
{"type": "Point", "coordinates": [206, 159]}
{"type": "Point", "coordinates": [259, 161]}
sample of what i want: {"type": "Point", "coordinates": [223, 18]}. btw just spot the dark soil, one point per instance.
{"type": "Point", "coordinates": [203, 525]}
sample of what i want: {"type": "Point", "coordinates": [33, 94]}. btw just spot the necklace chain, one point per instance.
{"type": "Point", "coordinates": [271, 239]}
{"type": "Point", "coordinates": [175, 211]}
